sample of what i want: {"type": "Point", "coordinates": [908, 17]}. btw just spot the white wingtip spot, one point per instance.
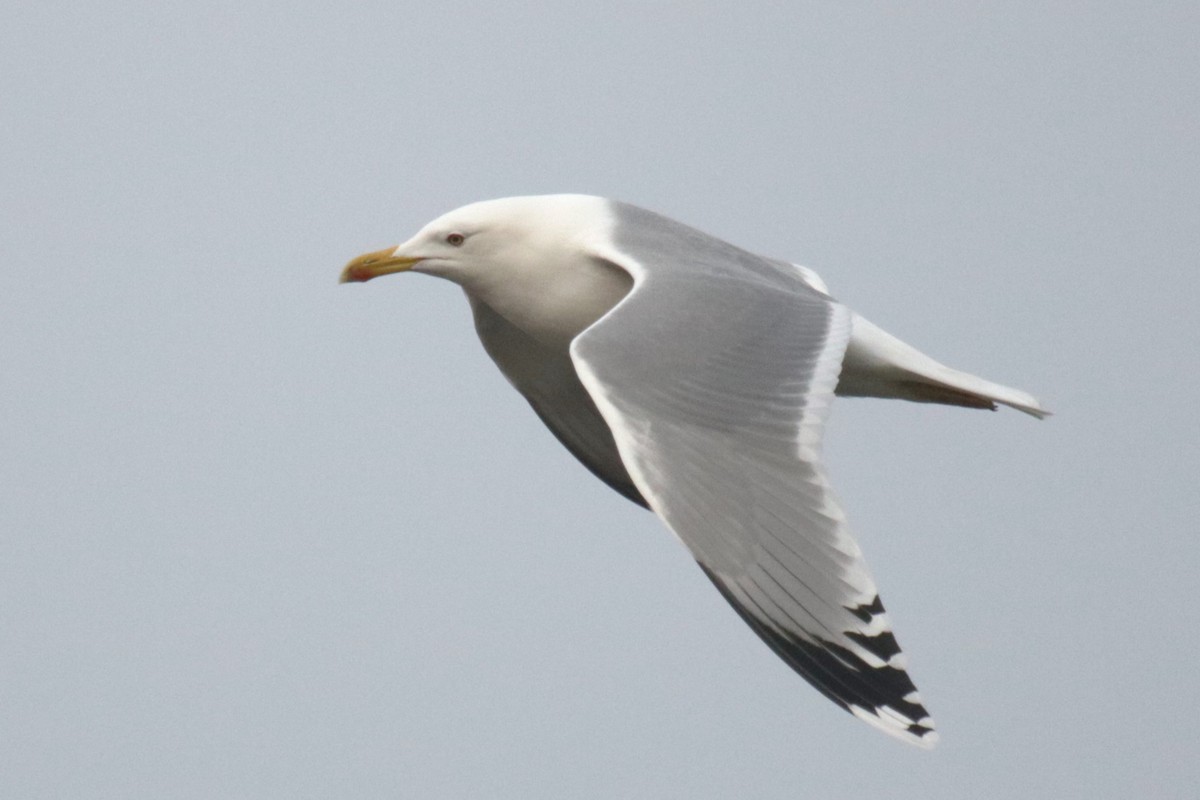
{"type": "Point", "coordinates": [897, 725]}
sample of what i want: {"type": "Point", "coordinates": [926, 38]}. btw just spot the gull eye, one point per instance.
{"type": "Point", "coordinates": [455, 239]}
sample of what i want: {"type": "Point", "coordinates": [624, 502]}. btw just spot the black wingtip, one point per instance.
{"type": "Point", "coordinates": [882, 695]}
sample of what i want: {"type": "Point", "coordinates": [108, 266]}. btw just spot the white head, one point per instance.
{"type": "Point", "coordinates": [537, 261]}
{"type": "Point", "coordinates": [476, 243]}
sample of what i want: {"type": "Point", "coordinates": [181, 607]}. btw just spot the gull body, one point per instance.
{"type": "Point", "coordinates": [694, 378]}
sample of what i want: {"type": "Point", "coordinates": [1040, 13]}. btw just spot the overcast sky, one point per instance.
{"type": "Point", "coordinates": [264, 536]}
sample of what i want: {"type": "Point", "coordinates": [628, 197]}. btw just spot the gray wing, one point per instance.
{"type": "Point", "coordinates": [715, 375]}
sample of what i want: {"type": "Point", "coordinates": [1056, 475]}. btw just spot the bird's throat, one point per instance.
{"type": "Point", "coordinates": [557, 304]}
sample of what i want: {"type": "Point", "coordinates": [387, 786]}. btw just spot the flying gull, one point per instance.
{"type": "Point", "coordinates": [694, 378]}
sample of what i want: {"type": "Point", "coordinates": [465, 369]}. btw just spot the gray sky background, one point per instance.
{"type": "Point", "coordinates": [263, 536]}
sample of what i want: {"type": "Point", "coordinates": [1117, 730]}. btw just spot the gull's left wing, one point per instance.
{"type": "Point", "coordinates": [715, 375]}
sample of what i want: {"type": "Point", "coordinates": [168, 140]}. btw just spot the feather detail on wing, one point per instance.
{"type": "Point", "coordinates": [719, 426]}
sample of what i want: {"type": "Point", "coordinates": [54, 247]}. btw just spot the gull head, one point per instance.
{"type": "Point", "coordinates": [477, 243]}
{"type": "Point", "coordinates": [542, 263]}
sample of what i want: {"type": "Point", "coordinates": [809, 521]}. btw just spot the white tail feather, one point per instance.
{"type": "Point", "coordinates": [878, 364]}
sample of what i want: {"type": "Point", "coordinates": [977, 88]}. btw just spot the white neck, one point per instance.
{"type": "Point", "coordinates": [569, 297]}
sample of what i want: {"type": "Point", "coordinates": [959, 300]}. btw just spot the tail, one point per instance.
{"type": "Point", "coordinates": [878, 364]}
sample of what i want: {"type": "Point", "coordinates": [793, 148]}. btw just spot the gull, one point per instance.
{"type": "Point", "coordinates": [695, 378]}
